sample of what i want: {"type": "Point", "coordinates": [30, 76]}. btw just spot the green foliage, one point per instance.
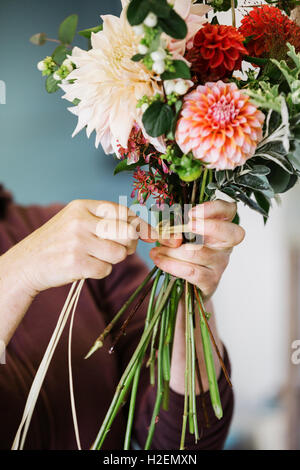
{"type": "Point", "coordinates": [67, 29]}
{"type": "Point", "coordinates": [51, 84]}
{"type": "Point", "coordinates": [86, 33]}
{"type": "Point", "coordinates": [181, 70]}
{"type": "Point", "coordinates": [60, 54]}
{"type": "Point", "coordinates": [266, 96]}
{"type": "Point", "coordinates": [168, 20]}
{"type": "Point", "coordinates": [123, 166]}
{"type": "Point", "coordinates": [158, 119]}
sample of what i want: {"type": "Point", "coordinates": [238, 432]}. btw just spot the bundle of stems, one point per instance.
{"type": "Point", "coordinates": [155, 350]}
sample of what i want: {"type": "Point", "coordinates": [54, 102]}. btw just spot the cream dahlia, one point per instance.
{"type": "Point", "coordinates": [109, 84]}
{"type": "Point", "coordinates": [219, 125]}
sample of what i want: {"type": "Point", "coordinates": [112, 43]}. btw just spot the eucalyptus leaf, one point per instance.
{"type": "Point", "coordinates": [160, 7]}
{"type": "Point", "coordinates": [60, 54]}
{"type": "Point", "coordinates": [67, 29]}
{"type": "Point", "coordinates": [87, 33]}
{"type": "Point", "coordinates": [250, 203]}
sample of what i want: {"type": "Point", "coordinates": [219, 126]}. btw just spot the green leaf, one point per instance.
{"type": "Point", "coordinates": [86, 33]}
{"type": "Point", "coordinates": [255, 60]}
{"type": "Point", "coordinates": [279, 179]}
{"type": "Point", "coordinates": [60, 54]}
{"type": "Point", "coordinates": [250, 203]}
{"type": "Point", "coordinates": [123, 166]}
{"type": "Point", "coordinates": [51, 84]}
{"type": "Point", "coordinates": [182, 70]}
{"type": "Point", "coordinates": [261, 170]}
{"type": "Point", "coordinates": [137, 57]}
{"type": "Point", "coordinates": [158, 119]}
{"type": "Point", "coordinates": [137, 11]}
{"type": "Point", "coordinates": [178, 106]}
{"type": "Point", "coordinates": [67, 29]}
{"type": "Point", "coordinates": [215, 20]}
{"type": "Point", "coordinates": [263, 202]}
{"type": "Point", "coordinates": [256, 182]}
{"type": "Point", "coordinates": [160, 7]}
{"type": "Point", "coordinates": [220, 177]}
{"type": "Point", "coordinates": [174, 25]}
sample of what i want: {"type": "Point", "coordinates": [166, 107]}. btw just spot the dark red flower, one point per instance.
{"type": "Point", "coordinates": [270, 29]}
{"type": "Point", "coordinates": [217, 51]}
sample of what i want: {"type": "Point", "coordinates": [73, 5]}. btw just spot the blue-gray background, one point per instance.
{"type": "Point", "coordinates": [40, 162]}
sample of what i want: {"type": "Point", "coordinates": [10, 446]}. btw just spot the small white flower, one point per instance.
{"type": "Point", "coordinates": [160, 54]}
{"type": "Point", "coordinates": [150, 20]}
{"type": "Point", "coordinates": [181, 87]}
{"type": "Point", "coordinates": [159, 67]}
{"type": "Point", "coordinates": [68, 63]}
{"type": "Point", "coordinates": [56, 77]}
{"type": "Point", "coordinates": [169, 86]}
{"type": "Point", "coordinates": [139, 29]}
{"type": "Point", "coordinates": [142, 49]}
{"type": "Point", "coordinates": [144, 107]}
{"type": "Point", "coordinates": [41, 66]}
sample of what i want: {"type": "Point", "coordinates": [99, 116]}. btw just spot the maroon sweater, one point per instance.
{"type": "Point", "coordinates": [94, 379]}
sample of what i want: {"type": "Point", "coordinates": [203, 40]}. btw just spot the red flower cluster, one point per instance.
{"type": "Point", "coordinates": [270, 30]}
{"type": "Point", "coordinates": [217, 51]}
{"type": "Point", "coordinates": [148, 184]}
{"type": "Point", "coordinates": [135, 146]}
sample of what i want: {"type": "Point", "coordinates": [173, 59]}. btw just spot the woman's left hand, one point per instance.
{"type": "Point", "coordinates": [203, 265]}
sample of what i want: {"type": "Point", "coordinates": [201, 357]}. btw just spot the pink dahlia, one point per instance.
{"type": "Point", "coordinates": [219, 125]}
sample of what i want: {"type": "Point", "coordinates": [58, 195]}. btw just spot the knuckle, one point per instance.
{"type": "Point", "coordinates": [240, 234]}
{"type": "Point", "coordinates": [75, 226]}
{"type": "Point", "coordinates": [76, 204]}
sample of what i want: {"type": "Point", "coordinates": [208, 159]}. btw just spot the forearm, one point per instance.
{"type": "Point", "coordinates": [15, 297]}
{"type": "Point", "coordinates": [178, 355]}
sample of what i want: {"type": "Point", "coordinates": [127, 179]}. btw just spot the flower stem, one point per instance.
{"type": "Point", "coordinates": [233, 13]}
{"type": "Point", "coordinates": [130, 371]}
{"type": "Point", "coordinates": [209, 361]}
{"type": "Point", "coordinates": [203, 185]}
{"type": "Point", "coordinates": [186, 392]}
{"type": "Point", "coordinates": [99, 341]}
{"type": "Point", "coordinates": [160, 380]}
{"type": "Point", "coordinates": [138, 370]}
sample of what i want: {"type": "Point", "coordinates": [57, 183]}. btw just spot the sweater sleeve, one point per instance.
{"type": "Point", "coordinates": [119, 286]}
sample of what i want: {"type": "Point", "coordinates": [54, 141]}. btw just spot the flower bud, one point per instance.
{"type": "Point", "coordinates": [144, 107]}
{"type": "Point", "coordinates": [159, 67]}
{"type": "Point", "coordinates": [181, 87]}
{"type": "Point", "coordinates": [150, 20]}
{"type": "Point", "coordinates": [160, 54]}
{"type": "Point", "coordinates": [139, 29]}
{"type": "Point", "coordinates": [41, 66]}
{"type": "Point", "coordinates": [142, 49]}
{"type": "Point", "coordinates": [169, 86]}
{"type": "Point", "coordinates": [56, 77]}
{"type": "Point", "coordinates": [68, 64]}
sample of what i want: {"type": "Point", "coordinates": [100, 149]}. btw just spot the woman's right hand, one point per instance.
{"type": "Point", "coordinates": [82, 241]}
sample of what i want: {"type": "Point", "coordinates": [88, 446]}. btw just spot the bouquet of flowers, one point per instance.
{"type": "Point", "coordinates": [195, 109]}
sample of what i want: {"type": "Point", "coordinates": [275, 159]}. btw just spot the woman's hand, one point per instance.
{"type": "Point", "coordinates": [82, 241]}
{"type": "Point", "coordinates": [203, 265]}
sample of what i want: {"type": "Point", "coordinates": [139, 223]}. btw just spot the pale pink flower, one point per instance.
{"type": "Point", "coordinates": [219, 125]}
{"type": "Point", "coordinates": [194, 16]}
{"type": "Point", "coordinates": [109, 84]}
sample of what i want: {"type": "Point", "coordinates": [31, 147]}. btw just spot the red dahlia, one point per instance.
{"type": "Point", "coordinates": [217, 51]}
{"type": "Point", "coordinates": [270, 30]}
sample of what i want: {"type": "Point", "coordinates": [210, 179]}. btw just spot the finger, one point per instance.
{"type": "Point", "coordinates": [214, 210]}
{"type": "Point", "coordinates": [192, 253]}
{"type": "Point", "coordinates": [171, 240]}
{"type": "Point", "coordinates": [116, 230]}
{"type": "Point", "coordinates": [107, 250]}
{"type": "Point", "coordinates": [198, 275]}
{"type": "Point", "coordinates": [218, 234]}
